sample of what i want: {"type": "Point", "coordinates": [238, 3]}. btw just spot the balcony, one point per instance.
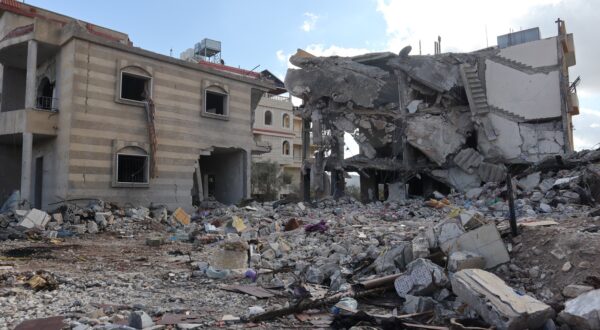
{"type": "Point", "coordinates": [39, 122]}
{"type": "Point", "coordinates": [46, 103]}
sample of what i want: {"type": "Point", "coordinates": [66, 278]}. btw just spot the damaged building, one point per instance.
{"type": "Point", "coordinates": [85, 114]}
{"type": "Point", "coordinates": [437, 122]}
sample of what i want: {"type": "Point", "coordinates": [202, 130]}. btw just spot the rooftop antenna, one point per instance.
{"type": "Point", "coordinates": [254, 68]}
{"type": "Point", "coordinates": [486, 37]}
{"type": "Point", "coordinates": [171, 52]}
{"type": "Point", "coordinates": [419, 47]}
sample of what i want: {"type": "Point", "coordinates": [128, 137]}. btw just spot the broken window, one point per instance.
{"type": "Point", "coordinates": [216, 103]}
{"type": "Point", "coordinates": [285, 122]}
{"type": "Point", "coordinates": [268, 118]}
{"type": "Point", "coordinates": [285, 148]}
{"type": "Point", "coordinates": [134, 87]}
{"type": "Point", "coordinates": [132, 168]}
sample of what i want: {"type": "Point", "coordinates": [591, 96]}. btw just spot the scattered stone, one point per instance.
{"type": "Point", "coordinates": [35, 218]}
{"type": "Point", "coordinates": [582, 312]}
{"type": "Point", "coordinates": [497, 303]}
{"type": "Point", "coordinates": [566, 267]}
{"type": "Point", "coordinates": [140, 320]}
{"type": "Point", "coordinates": [422, 277]}
{"type": "Point", "coordinates": [574, 290]}
{"type": "Point", "coordinates": [460, 260]}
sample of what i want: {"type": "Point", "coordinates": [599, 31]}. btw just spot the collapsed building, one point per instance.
{"type": "Point", "coordinates": [435, 122]}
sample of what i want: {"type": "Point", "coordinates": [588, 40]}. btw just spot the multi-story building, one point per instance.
{"type": "Point", "coordinates": [84, 114]}
{"type": "Point", "coordinates": [276, 126]}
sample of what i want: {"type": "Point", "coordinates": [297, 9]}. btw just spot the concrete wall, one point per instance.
{"type": "Point", "coordinates": [535, 53]}
{"type": "Point", "coordinates": [276, 154]}
{"type": "Point", "coordinates": [10, 175]}
{"type": "Point", "coordinates": [182, 131]}
{"type": "Point", "coordinates": [13, 89]}
{"type": "Point", "coordinates": [521, 141]}
{"type": "Point", "coordinates": [533, 96]}
{"type": "Point", "coordinates": [228, 169]}
{"type": "Point", "coordinates": [276, 133]}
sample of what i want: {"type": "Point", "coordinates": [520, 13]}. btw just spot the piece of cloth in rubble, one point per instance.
{"type": "Point", "coordinates": [320, 227]}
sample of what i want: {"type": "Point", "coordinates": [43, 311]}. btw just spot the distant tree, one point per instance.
{"type": "Point", "coordinates": [353, 191]}
{"type": "Point", "coordinates": [267, 179]}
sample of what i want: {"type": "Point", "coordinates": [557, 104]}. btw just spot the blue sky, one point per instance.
{"type": "Point", "coordinates": [268, 32]}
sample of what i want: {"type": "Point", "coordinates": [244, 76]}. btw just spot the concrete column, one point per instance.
{"type": "Point", "coordinates": [30, 88]}
{"type": "Point", "coordinates": [26, 166]}
{"type": "Point", "coordinates": [247, 163]}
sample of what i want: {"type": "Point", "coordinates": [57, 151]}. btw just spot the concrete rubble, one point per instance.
{"type": "Point", "coordinates": [583, 312]}
{"type": "Point", "coordinates": [426, 253]}
{"type": "Point", "coordinates": [497, 303]}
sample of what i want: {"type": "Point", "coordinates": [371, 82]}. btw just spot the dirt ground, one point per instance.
{"type": "Point", "coordinates": [101, 275]}
{"type": "Point", "coordinates": [540, 253]}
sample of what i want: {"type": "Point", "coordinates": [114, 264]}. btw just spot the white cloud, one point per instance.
{"type": "Point", "coordinates": [461, 23]}
{"type": "Point", "coordinates": [333, 50]}
{"type": "Point", "coordinates": [595, 125]}
{"type": "Point", "coordinates": [281, 56]}
{"type": "Point", "coordinates": [310, 22]}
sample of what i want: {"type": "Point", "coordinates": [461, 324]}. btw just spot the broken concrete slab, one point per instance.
{"type": "Point", "coordinates": [230, 254]}
{"type": "Point", "coordinates": [529, 182]}
{"type": "Point", "coordinates": [485, 241]}
{"type": "Point", "coordinates": [447, 233]}
{"type": "Point", "coordinates": [574, 290]}
{"type": "Point", "coordinates": [492, 172]}
{"type": "Point", "coordinates": [460, 260]}
{"type": "Point", "coordinates": [35, 219]}
{"type": "Point", "coordinates": [471, 219]}
{"type": "Point", "coordinates": [416, 304]}
{"type": "Point", "coordinates": [422, 277]}
{"type": "Point", "coordinates": [497, 303]}
{"type": "Point", "coordinates": [582, 312]}
{"type": "Point", "coordinates": [140, 320]}
{"type": "Point", "coordinates": [397, 258]}
{"type": "Point", "coordinates": [434, 136]}
{"type": "Point", "coordinates": [468, 159]}
{"type": "Point", "coordinates": [473, 193]}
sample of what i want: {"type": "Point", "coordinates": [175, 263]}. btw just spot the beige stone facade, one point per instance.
{"type": "Point", "coordinates": [276, 126]}
{"type": "Point", "coordinates": [75, 107]}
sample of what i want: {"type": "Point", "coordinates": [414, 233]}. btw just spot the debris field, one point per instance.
{"type": "Point", "coordinates": [439, 262]}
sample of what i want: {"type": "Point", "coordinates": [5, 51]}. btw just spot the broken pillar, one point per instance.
{"type": "Point", "coordinates": [497, 303]}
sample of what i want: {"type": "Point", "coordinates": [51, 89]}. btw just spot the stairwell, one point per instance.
{"type": "Point", "coordinates": [528, 69]}
{"type": "Point", "coordinates": [476, 95]}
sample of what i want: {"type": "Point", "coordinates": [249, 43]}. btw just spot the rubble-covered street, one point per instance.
{"type": "Point", "coordinates": [434, 263]}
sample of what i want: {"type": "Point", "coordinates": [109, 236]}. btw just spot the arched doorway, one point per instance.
{"type": "Point", "coordinates": [45, 94]}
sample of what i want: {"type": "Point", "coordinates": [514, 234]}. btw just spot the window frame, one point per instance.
{"type": "Point", "coordinates": [120, 97]}
{"type": "Point", "coordinates": [265, 118]}
{"type": "Point", "coordinates": [289, 124]}
{"type": "Point", "coordinates": [225, 102]}
{"type": "Point", "coordinates": [283, 148]}
{"type": "Point", "coordinates": [117, 183]}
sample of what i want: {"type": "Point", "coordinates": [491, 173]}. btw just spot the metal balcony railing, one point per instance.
{"type": "Point", "coordinates": [278, 97]}
{"type": "Point", "coordinates": [46, 103]}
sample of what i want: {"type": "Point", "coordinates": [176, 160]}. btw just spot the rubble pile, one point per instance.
{"type": "Point", "coordinates": [70, 219]}
{"type": "Point", "coordinates": [441, 260]}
